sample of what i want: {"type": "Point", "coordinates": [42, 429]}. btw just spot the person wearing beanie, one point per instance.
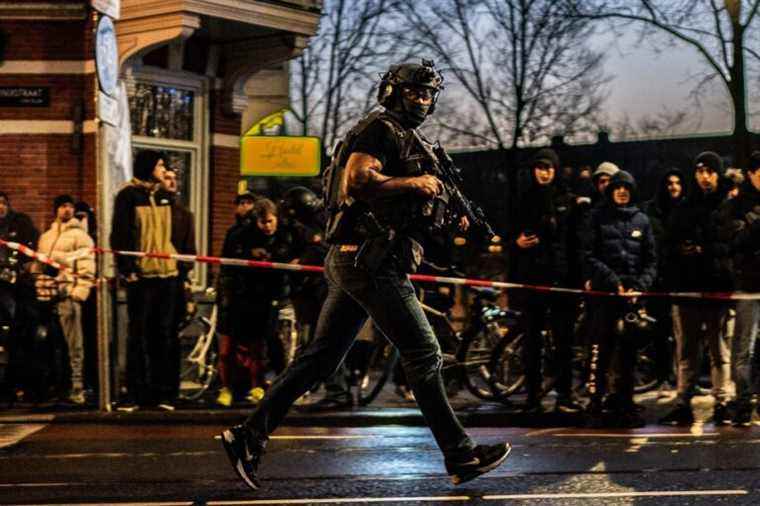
{"type": "Point", "coordinates": [620, 256]}
{"type": "Point", "coordinates": [538, 254]}
{"type": "Point", "coordinates": [142, 221]}
{"type": "Point", "coordinates": [739, 226]}
{"type": "Point", "coordinates": [699, 262]}
{"type": "Point", "coordinates": [68, 243]}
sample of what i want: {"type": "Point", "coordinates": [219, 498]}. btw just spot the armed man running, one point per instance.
{"type": "Point", "coordinates": [382, 201]}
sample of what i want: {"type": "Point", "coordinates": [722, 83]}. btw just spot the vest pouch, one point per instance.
{"type": "Point", "coordinates": [409, 255]}
{"type": "Point", "coordinates": [375, 252]}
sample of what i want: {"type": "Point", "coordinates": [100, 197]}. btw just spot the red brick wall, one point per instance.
{"type": "Point", "coordinates": [34, 168]}
{"type": "Point", "coordinates": [224, 173]}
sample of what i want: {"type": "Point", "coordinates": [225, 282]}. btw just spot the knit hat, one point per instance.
{"type": "Point", "coordinates": [546, 156]}
{"type": "Point", "coordinates": [145, 163]}
{"type": "Point", "coordinates": [754, 161]}
{"type": "Point", "coordinates": [711, 160]}
{"type": "Point", "coordinates": [605, 168]}
{"type": "Point", "coordinates": [61, 200]}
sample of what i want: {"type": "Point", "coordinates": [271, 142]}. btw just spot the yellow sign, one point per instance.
{"type": "Point", "coordinates": [264, 155]}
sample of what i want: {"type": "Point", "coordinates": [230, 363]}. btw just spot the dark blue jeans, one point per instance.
{"type": "Point", "coordinates": [389, 299]}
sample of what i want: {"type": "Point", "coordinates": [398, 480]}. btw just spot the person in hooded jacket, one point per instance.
{"type": "Point", "coordinates": [142, 221]}
{"type": "Point", "coordinates": [698, 261]}
{"type": "Point", "coordinates": [538, 243]}
{"type": "Point", "coordinates": [620, 257]}
{"type": "Point", "coordinates": [739, 227]}
{"type": "Point", "coordinates": [233, 325]}
{"type": "Point", "coordinates": [670, 193]}
{"type": "Point", "coordinates": [68, 243]}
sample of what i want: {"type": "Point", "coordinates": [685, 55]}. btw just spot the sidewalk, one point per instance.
{"type": "Point", "coordinates": [388, 409]}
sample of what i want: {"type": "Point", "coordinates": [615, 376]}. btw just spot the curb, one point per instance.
{"type": "Point", "coordinates": [483, 416]}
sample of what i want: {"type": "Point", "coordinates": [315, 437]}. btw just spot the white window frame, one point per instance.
{"type": "Point", "coordinates": [198, 147]}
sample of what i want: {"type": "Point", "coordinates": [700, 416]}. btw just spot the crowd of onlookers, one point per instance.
{"type": "Point", "coordinates": [697, 234]}
{"type": "Point", "coordinates": [584, 229]}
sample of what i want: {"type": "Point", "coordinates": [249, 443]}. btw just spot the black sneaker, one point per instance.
{"type": "Point", "coordinates": [480, 460]}
{"type": "Point", "coordinates": [567, 405]}
{"type": "Point", "coordinates": [721, 414]}
{"type": "Point", "coordinates": [742, 415]}
{"type": "Point", "coordinates": [328, 403]}
{"type": "Point", "coordinates": [681, 416]}
{"type": "Point", "coordinates": [244, 452]}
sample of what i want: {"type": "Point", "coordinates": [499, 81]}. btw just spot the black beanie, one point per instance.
{"type": "Point", "coordinates": [61, 200]}
{"type": "Point", "coordinates": [546, 156]}
{"type": "Point", "coordinates": [712, 161]}
{"type": "Point", "coordinates": [145, 162]}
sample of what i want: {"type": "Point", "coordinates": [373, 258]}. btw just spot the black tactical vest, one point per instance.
{"type": "Point", "coordinates": [399, 212]}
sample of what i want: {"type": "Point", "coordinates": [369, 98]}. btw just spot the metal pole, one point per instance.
{"type": "Point", "coordinates": [103, 295]}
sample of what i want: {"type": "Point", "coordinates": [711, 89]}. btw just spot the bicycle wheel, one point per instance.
{"type": "Point", "coordinates": [508, 372]}
{"type": "Point", "coordinates": [645, 372]}
{"type": "Point", "coordinates": [198, 348]}
{"type": "Point", "coordinates": [382, 359]}
{"type": "Point", "coordinates": [474, 359]}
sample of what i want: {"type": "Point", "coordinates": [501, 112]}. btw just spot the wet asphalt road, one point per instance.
{"type": "Point", "coordinates": [184, 464]}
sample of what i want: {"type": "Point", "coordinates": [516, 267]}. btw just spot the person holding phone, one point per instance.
{"type": "Point", "coordinates": [538, 255]}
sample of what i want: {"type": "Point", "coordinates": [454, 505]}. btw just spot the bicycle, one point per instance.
{"type": "Point", "coordinates": [199, 354]}
{"type": "Point", "coordinates": [470, 360]}
{"type": "Point", "coordinates": [509, 373]}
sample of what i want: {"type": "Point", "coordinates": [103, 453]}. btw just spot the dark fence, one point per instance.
{"type": "Point", "coordinates": [489, 174]}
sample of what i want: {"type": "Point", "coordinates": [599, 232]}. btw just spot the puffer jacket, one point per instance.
{"type": "Point", "coordinates": [69, 244]}
{"type": "Point", "coordinates": [619, 247]}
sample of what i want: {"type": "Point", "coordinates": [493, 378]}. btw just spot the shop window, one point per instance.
{"type": "Point", "coordinates": [164, 112]}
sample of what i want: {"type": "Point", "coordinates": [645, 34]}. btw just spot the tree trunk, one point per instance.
{"type": "Point", "coordinates": [738, 89]}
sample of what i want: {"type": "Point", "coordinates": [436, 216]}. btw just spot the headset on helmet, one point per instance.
{"type": "Point", "coordinates": [425, 75]}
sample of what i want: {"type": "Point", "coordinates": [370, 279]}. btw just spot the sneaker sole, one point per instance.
{"type": "Point", "coordinates": [237, 464]}
{"type": "Point", "coordinates": [458, 480]}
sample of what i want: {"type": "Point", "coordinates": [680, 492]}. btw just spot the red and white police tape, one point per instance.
{"type": "Point", "coordinates": [424, 278]}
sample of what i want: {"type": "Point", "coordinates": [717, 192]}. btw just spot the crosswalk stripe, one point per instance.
{"type": "Point", "coordinates": [12, 433]}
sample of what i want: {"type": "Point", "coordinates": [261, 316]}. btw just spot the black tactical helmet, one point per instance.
{"type": "Point", "coordinates": [300, 203]}
{"type": "Point", "coordinates": [423, 75]}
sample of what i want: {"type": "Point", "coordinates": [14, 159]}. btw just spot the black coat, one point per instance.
{"type": "Point", "coordinates": [18, 227]}
{"type": "Point", "coordinates": [695, 223]}
{"type": "Point", "coordinates": [739, 227]}
{"type": "Point", "coordinates": [659, 210]}
{"type": "Point", "coordinates": [183, 236]}
{"type": "Point", "coordinates": [545, 211]}
{"type": "Point", "coordinates": [620, 249]}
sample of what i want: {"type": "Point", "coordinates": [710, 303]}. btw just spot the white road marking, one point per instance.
{"type": "Point", "coordinates": [343, 500]}
{"type": "Point", "coordinates": [636, 435]}
{"type": "Point", "coordinates": [178, 503]}
{"type": "Point", "coordinates": [12, 433]}
{"type": "Point", "coordinates": [326, 437]}
{"type": "Point", "coordinates": [601, 495]}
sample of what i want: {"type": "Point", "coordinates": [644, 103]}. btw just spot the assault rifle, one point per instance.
{"type": "Point", "coordinates": [449, 174]}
